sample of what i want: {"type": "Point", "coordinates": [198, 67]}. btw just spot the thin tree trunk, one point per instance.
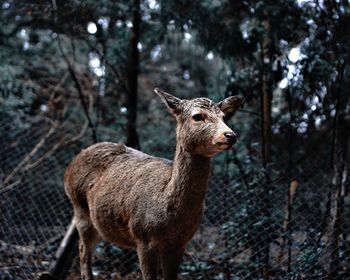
{"type": "Point", "coordinates": [338, 192]}
{"type": "Point", "coordinates": [287, 227]}
{"type": "Point", "coordinates": [132, 68]}
{"type": "Point", "coordinates": [132, 72]}
{"type": "Point", "coordinates": [266, 96]}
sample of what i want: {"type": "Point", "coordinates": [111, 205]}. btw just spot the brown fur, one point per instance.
{"type": "Point", "coordinates": [151, 204]}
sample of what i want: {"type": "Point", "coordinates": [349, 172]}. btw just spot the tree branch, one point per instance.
{"type": "Point", "coordinates": [29, 155]}
{"type": "Point", "coordinates": [79, 89]}
{"type": "Point", "coordinates": [116, 71]}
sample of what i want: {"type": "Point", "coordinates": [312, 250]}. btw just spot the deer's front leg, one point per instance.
{"type": "Point", "coordinates": [171, 260]}
{"type": "Point", "coordinates": [148, 261]}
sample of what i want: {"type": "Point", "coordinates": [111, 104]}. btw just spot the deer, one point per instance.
{"type": "Point", "coordinates": [147, 203]}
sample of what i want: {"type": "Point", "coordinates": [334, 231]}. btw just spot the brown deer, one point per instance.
{"type": "Point", "coordinates": [151, 204]}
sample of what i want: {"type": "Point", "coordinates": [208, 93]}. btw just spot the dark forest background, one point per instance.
{"type": "Point", "coordinates": [84, 71]}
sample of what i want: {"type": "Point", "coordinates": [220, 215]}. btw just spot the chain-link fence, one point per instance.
{"type": "Point", "coordinates": [255, 226]}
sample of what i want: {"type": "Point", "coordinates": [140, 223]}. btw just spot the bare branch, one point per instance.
{"type": "Point", "coordinates": [62, 142]}
{"type": "Point", "coordinates": [30, 155]}
{"type": "Point", "coordinates": [79, 89]}
{"type": "Point", "coordinates": [116, 71]}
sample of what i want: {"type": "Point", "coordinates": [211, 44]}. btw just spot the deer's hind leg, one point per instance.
{"type": "Point", "coordinates": [87, 242]}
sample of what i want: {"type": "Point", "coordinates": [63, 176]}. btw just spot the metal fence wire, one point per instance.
{"type": "Point", "coordinates": [252, 229]}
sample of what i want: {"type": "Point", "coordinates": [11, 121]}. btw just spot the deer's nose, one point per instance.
{"type": "Point", "coordinates": [231, 137]}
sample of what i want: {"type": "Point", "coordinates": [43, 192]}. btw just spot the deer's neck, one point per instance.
{"type": "Point", "coordinates": [189, 181]}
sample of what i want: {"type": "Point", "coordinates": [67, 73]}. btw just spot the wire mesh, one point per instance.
{"type": "Point", "coordinates": [252, 229]}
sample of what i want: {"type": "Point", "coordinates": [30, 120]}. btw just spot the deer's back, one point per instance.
{"type": "Point", "coordinates": [111, 182]}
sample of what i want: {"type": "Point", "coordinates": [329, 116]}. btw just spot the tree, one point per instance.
{"type": "Point", "coordinates": [132, 72]}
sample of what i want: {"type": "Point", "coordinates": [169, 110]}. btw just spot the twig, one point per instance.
{"type": "Point", "coordinates": [30, 155]}
{"type": "Point", "coordinates": [24, 250]}
{"type": "Point", "coordinates": [62, 80]}
{"type": "Point", "coordinates": [10, 186]}
{"type": "Point", "coordinates": [62, 143]}
{"type": "Point", "coordinates": [116, 72]}
{"type": "Point", "coordinates": [23, 165]}
{"type": "Point", "coordinates": [51, 240]}
{"type": "Point", "coordinates": [42, 158]}
{"type": "Point", "coordinates": [79, 89]}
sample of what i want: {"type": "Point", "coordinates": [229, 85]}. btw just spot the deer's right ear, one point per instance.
{"type": "Point", "coordinates": [171, 102]}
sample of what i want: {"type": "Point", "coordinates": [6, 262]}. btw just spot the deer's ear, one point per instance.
{"type": "Point", "coordinates": [171, 102]}
{"type": "Point", "coordinates": [230, 105]}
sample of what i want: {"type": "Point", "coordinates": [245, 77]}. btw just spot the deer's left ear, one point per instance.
{"type": "Point", "coordinates": [230, 105]}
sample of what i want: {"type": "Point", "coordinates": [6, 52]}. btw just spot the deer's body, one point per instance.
{"type": "Point", "coordinates": [139, 201]}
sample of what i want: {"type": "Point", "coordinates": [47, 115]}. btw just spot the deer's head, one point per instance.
{"type": "Point", "coordinates": [201, 123]}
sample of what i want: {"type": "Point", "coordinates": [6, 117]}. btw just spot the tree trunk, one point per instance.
{"type": "Point", "coordinates": [266, 96]}
{"type": "Point", "coordinates": [132, 72]}
{"type": "Point", "coordinates": [338, 192]}
{"type": "Point", "coordinates": [132, 69]}
{"type": "Point", "coordinates": [292, 186]}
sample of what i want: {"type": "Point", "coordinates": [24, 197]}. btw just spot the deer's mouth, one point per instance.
{"type": "Point", "coordinates": [224, 145]}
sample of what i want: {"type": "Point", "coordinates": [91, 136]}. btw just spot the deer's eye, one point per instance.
{"type": "Point", "coordinates": [198, 117]}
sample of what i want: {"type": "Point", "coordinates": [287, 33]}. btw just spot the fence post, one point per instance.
{"type": "Point", "coordinates": [64, 256]}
